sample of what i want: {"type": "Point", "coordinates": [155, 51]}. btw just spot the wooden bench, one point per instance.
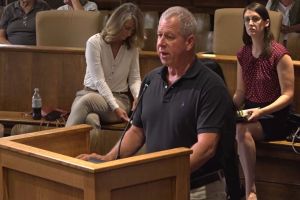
{"type": "Point", "coordinates": [277, 170]}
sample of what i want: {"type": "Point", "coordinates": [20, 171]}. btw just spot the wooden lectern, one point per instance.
{"type": "Point", "coordinates": [42, 165]}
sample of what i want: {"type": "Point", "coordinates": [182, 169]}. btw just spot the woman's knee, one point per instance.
{"type": "Point", "coordinates": [242, 133]}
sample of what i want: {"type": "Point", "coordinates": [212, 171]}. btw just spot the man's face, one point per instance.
{"type": "Point", "coordinates": [171, 45]}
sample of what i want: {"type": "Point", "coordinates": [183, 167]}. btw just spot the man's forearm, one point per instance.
{"type": "Point", "coordinates": [131, 143]}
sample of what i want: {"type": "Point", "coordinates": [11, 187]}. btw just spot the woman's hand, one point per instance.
{"type": "Point", "coordinates": [254, 114]}
{"type": "Point", "coordinates": [121, 114]}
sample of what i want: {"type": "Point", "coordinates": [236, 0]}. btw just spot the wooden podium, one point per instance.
{"type": "Point", "coordinates": [42, 165]}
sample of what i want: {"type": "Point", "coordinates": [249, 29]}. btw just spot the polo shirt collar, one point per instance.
{"type": "Point", "coordinates": [190, 73]}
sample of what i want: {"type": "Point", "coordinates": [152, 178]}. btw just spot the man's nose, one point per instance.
{"type": "Point", "coordinates": [160, 41]}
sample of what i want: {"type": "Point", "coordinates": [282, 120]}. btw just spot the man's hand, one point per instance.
{"type": "Point", "coordinates": [122, 114]}
{"type": "Point", "coordinates": [91, 156]}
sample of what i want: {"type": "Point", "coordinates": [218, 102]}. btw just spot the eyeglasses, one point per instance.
{"type": "Point", "coordinates": [254, 19]}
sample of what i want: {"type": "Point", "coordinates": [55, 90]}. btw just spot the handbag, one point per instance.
{"type": "Point", "coordinates": [293, 125]}
{"type": "Point", "coordinates": [55, 114]}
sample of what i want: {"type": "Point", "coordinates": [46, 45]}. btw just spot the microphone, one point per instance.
{"type": "Point", "coordinates": [130, 119]}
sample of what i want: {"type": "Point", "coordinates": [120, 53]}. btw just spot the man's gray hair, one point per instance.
{"type": "Point", "coordinates": [188, 23]}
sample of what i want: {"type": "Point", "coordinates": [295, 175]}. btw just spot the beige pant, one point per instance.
{"type": "Point", "coordinates": [212, 191]}
{"type": "Point", "coordinates": [91, 108]}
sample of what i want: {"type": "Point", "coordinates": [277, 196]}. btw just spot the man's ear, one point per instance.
{"type": "Point", "coordinates": [190, 42]}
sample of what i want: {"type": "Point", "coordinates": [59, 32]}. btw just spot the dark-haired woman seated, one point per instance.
{"type": "Point", "coordinates": [265, 87]}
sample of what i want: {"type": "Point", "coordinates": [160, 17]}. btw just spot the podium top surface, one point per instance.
{"type": "Point", "coordinates": [62, 145]}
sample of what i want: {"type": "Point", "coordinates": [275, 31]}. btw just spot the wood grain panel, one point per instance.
{"type": "Point", "coordinates": [57, 72]}
{"type": "Point", "coordinates": [31, 173]}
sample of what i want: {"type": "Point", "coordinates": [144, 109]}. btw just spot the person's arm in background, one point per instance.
{"type": "Point", "coordinates": [3, 38]}
{"type": "Point", "coordinates": [290, 29]}
{"type": "Point", "coordinates": [77, 5]}
{"type": "Point", "coordinates": [134, 78]}
{"type": "Point", "coordinates": [90, 6]}
{"type": "Point", "coordinates": [239, 95]}
{"type": "Point", "coordinates": [6, 16]}
{"type": "Point", "coordinates": [268, 5]}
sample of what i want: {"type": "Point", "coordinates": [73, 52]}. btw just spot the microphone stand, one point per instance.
{"type": "Point", "coordinates": [130, 120]}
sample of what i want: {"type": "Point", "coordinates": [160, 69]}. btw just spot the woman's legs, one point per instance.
{"type": "Point", "coordinates": [247, 134]}
{"type": "Point", "coordinates": [91, 102]}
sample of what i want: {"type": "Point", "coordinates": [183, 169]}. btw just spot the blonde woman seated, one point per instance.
{"type": "Point", "coordinates": [112, 74]}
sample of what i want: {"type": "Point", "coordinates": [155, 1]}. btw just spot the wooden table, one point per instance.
{"type": "Point", "coordinates": [10, 118]}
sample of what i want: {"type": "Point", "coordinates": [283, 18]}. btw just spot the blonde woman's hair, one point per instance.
{"type": "Point", "coordinates": [116, 21]}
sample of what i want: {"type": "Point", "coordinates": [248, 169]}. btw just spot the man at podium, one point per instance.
{"type": "Point", "coordinates": [181, 104]}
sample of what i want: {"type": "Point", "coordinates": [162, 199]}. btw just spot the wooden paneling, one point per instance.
{"type": "Point", "coordinates": [57, 71]}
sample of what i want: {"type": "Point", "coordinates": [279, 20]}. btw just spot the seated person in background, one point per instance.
{"type": "Point", "coordinates": [79, 5]}
{"type": "Point", "coordinates": [265, 86]}
{"type": "Point", "coordinates": [112, 58]}
{"type": "Point", "coordinates": [183, 104]}
{"type": "Point", "coordinates": [17, 24]}
{"type": "Point", "coordinates": [290, 10]}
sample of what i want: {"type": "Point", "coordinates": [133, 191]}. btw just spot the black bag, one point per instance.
{"type": "Point", "coordinates": [214, 66]}
{"type": "Point", "coordinates": [293, 127]}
